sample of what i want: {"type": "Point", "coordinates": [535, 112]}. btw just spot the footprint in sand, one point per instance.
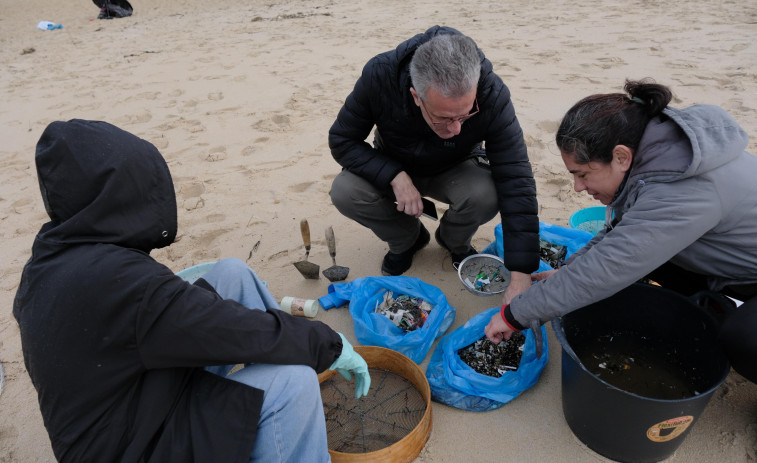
{"type": "Point", "coordinates": [191, 204]}
{"type": "Point", "coordinates": [278, 255]}
{"type": "Point", "coordinates": [8, 437]}
{"type": "Point", "coordinates": [23, 206]}
{"type": "Point", "coordinates": [160, 142]}
{"type": "Point", "coordinates": [77, 111]}
{"type": "Point", "coordinates": [611, 62]}
{"type": "Point", "coordinates": [301, 187]}
{"type": "Point", "coordinates": [193, 126]}
{"type": "Point", "coordinates": [216, 154]}
{"type": "Point", "coordinates": [275, 123]}
{"type": "Point", "coordinates": [549, 126]}
{"type": "Point", "coordinates": [206, 239]}
{"type": "Point", "coordinates": [144, 116]}
{"type": "Point", "coordinates": [190, 190]}
{"type": "Point", "coordinates": [146, 96]}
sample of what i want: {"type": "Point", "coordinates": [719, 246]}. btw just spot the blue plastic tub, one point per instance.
{"type": "Point", "coordinates": [191, 274]}
{"type": "Point", "coordinates": [590, 219]}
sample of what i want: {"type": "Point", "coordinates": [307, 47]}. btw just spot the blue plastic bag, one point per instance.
{"type": "Point", "coordinates": [375, 329]}
{"type": "Point", "coordinates": [572, 238]}
{"type": "Point", "coordinates": [455, 383]}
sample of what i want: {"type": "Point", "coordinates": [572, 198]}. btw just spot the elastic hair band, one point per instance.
{"type": "Point", "coordinates": [638, 100]}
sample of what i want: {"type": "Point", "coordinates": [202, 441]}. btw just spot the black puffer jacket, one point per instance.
{"type": "Point", "coordinates": [382, 98]}
{"type": "Point", "coordinates": [114, 342]}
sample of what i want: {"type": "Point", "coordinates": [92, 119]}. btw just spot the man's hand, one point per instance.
{"type": "Point", "coordinates": [408, 197]}
{"type": "Point", "coordinates": [519, 282]}
{"type": "Point", "coordinates": [497, 329]}
{"type": "Point", "coordinates": [542, 275]}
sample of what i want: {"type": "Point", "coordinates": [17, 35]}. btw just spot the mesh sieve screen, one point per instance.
{"type": "Point", "coordinates": [392, 408]}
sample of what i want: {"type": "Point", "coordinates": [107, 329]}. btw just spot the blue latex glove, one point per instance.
{"type": "Point", "coordinates": [349, 362]}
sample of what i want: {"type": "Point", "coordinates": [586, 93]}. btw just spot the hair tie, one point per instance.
{"type": "Point", "coordinates": [638, 100]}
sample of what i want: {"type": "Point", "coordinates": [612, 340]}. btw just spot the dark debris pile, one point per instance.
{"type": "Point", "coordinates": [492, 359]}
{"type": "Point", "coordinates": [407, 312]}
{"type": "Point", "coordinates": [553, 254]}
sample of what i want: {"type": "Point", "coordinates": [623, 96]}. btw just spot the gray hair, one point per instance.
{"type": "Point", "coordinates": [448, 63]}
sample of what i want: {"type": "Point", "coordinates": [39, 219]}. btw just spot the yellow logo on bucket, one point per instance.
{"type": "Point", "coordinates": [669, 429]}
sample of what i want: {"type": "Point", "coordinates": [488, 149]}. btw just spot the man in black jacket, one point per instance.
{"type": "Point", "coordinates": [435, 101]}
{"type": "Point", "coordinates": [130, 361]}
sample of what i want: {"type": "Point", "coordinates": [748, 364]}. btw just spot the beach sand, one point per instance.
{"type": "Point", "coordinates": [239, 96]}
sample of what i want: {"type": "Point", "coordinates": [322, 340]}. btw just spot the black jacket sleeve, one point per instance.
{"type": "Point", "coordinates": [512, 174]}
{"type": "Point", "coordinates": [356, 118]}
{"type": "Point", "coordinates": [182, 325]}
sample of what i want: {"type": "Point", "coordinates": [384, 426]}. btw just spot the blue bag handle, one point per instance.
{"type": "Point", "coordinates": [339, 294]}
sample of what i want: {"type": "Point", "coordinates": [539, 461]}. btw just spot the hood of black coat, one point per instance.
{"type": "Point", "coordinates": [101, 184]}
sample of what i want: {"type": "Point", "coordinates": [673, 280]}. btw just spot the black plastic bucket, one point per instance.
{"type": "Point", "coordinates": [658, 333]}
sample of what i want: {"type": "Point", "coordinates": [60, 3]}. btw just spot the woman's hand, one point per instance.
{"type": "Point", "coordinates": [497, 329]}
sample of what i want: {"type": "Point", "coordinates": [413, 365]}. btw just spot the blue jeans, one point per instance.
{"type": "Point", "coordinates": [292, 427]}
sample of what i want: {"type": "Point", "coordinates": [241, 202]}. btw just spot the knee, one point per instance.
{"type": "Point", "coordinates": [227, 270]}
{"type": "Point", "coordinates": [478, 197]}
{"type": "Point", "coordinates": [348, 192]}
{"type": "Point", "coordinates": [299, 383]}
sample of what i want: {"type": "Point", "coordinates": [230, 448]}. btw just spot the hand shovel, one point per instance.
{"type": "Point", "coordinates": [335, 272]}
{"type": "Point", "coordinates": [308, 269]}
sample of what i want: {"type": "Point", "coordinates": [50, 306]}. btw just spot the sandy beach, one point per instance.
{"type": "Point", "coordinates": [239, 95]}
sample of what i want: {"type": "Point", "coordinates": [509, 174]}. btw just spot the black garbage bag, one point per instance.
{"type": "Point", "coordinates": [113, 9]}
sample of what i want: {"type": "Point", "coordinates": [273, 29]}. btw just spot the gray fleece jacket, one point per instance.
{"type": "Point", "coordinates": [690, 198]}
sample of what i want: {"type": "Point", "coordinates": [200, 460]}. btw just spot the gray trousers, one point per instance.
{"type": "Point", "coordinates": [468, 189]}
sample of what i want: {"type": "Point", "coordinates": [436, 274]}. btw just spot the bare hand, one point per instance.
{"type": "Point", "coordinates": [497, 329]}
{"type": "Point", "coordinates": [519, 282]}
{"type": "Point", "coordinates": [542, 275]}
{"type": "Point", "coordinates": [408, 197]}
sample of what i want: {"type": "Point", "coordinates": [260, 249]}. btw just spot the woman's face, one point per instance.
{"type": "Point", "coordinates": [598, 179]}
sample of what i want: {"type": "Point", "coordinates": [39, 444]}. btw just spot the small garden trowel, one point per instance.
{"type": "Point", "coordinates": [335, 272]}
{"type": "Point", "coordinates": [308, 269]}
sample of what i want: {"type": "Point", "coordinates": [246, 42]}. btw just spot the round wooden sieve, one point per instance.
{"type": "Point", "coordinates": [409, 447]}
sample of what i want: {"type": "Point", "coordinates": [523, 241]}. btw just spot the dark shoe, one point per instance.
{"type": "Point", "coordinates": [456, 257]}
{"type": "Point", "coordinates": [397, 264]}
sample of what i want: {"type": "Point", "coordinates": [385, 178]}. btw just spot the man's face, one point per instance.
{"type": "Point", "coordinates": [444, 114]}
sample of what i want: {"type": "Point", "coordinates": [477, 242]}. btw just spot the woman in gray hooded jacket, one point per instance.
{"type": "Point", "coordinates": [682, 211]}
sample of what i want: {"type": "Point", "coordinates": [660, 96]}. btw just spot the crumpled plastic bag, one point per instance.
{"type": "Point", "coordinates": [572, 238]}
{"type": "Point", "coordinates": [455, 383]}
{"type": "Point", "coordinates": [48, 26]}
{"type": "Point", "coordinates": [376, 329]}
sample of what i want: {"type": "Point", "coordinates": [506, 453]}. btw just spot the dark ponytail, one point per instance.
{"type": "Point", "coordinates": [595, 125]}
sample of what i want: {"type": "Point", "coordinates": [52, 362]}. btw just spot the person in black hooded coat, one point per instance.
{"type": "Point", "coordinates": [116, 344]}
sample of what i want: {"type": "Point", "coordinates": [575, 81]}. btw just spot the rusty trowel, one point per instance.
{"type": "Point", "coordinates": [335, 272]}
{"type": "Point", "coordinates": [308, 269]}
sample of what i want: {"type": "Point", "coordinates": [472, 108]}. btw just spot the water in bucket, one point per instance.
{"type": "Point", "coordinates": [638, 369]}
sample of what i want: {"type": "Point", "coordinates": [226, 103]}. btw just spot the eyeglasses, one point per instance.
{"type": "Point", "coordinates": [450, 120]}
